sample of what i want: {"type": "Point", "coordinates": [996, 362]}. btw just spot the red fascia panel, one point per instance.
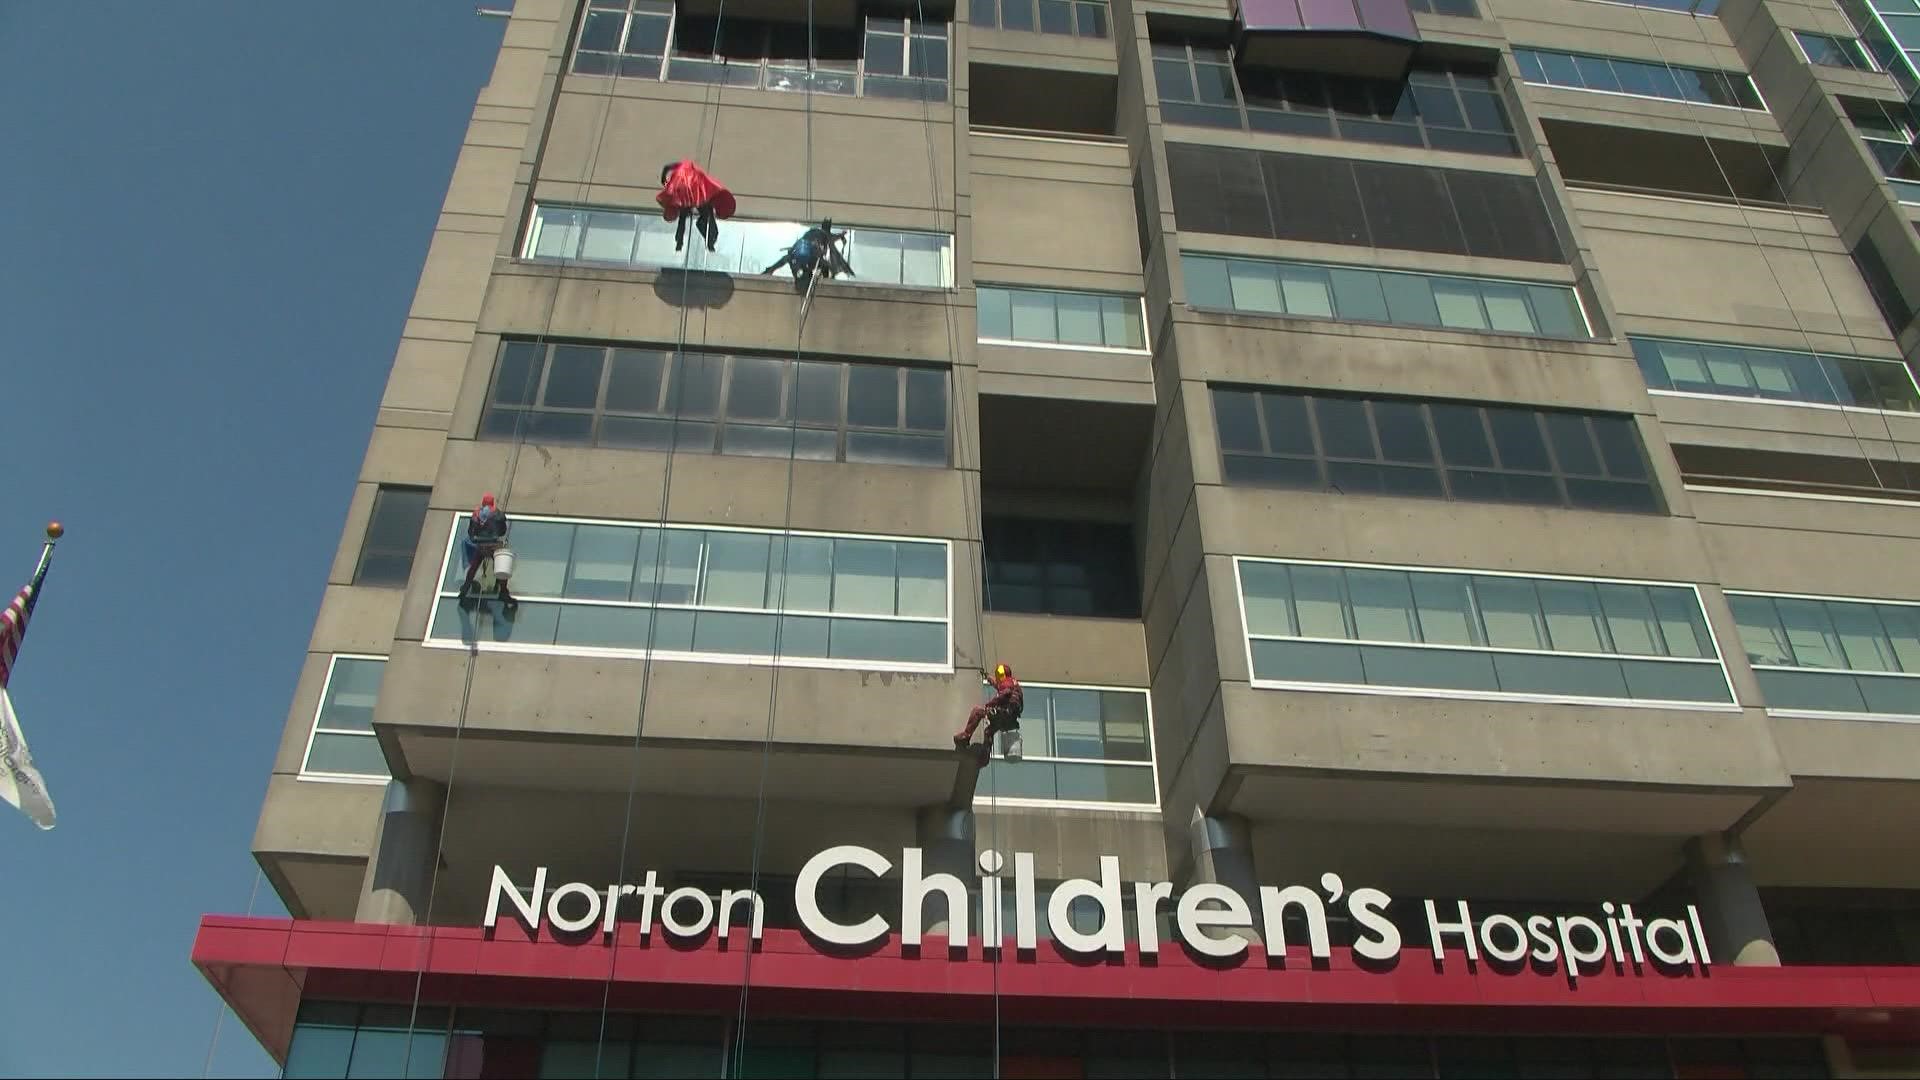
{"type": "Point", "coordinates": [263, 967]}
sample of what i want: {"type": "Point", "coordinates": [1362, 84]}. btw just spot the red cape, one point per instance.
{"type": "Point", "coordinates": [689, 186]}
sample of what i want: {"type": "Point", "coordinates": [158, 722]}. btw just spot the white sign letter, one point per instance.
{"type": "Point", "coordinates": [806, 902]}
{"type": "Point", "coordinates": [1464, 928]}
{"type": "Point", "coordinates": [1146, 905]}
{"type": "Point", "coordinates": [1273, 909]}
{"type": "Point", "coordinates": [1368, 908]}
{"type": "Point", "coordinates": [1192, 921]}
{"type": "Point", "coordinates": [574, 888]}
{"type": "Point", "coordinates": [1112, 935]}
{"type": "Point", "coordinates": [503, 886]}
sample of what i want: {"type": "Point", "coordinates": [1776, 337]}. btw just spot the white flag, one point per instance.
{"type": "Point", "coordinates": [20, 782]}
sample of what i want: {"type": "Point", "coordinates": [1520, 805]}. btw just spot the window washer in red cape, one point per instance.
{"type": "Point", "coordinates": [1001, 711]}
{"type": "Point", "coordinates": [687, 191]}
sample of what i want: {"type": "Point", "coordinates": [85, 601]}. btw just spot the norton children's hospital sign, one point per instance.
{"type": "Point", "coordinates": [1572, 944]}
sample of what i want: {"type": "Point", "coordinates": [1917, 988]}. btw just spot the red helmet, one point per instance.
{"type": "Point", "coordinates": [487, 499]}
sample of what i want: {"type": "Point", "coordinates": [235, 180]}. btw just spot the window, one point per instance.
{"type": "Point", "coordinates": [1080, 18]}
{"type": "Point", "coordinates": [1787, 375]}
{"type": "Point", "coordinates": [1440, 108]}
{"type": "Point", "coordinates": [1060, 568]}
{"type": "Point", "coordinates": [1358, 294]}
{"type": "Point", "coordinates": [1079, 744]}
{"type": "Point", "coordinates": [721, 595]}
{"type": "Point", "coordinates": [905, 58]}
{"type": "Point", "coordinates": [624, 37]}
{"type": "Point", "coordinates": [704, 403]}
{"type": "Point", "coordinates": [1055, 317]}
{"type": "Point", "coordinates": [1368, 203]}
{"type": "Point", "coordinates": [641, 240]}
{"type": "Point", "coordinates": [1779, 473]}
{"type": "Point", "coordinates": [1461, 8]}
{"type": "Point", "coordinates": [1468, 634]}
{"type": "Point", "coordinates": [1887, 294]}
{"type": "Point", "coordinates": [1640, 78]}
{"type": "Point", "coordinates": [393, 532]}
{"type": "Point", "coordinates": [1888, 132]}
{"type": "Point", "coordinates": [1432, 449]}
{"type": "Point", "coordinates": [1829, 51]}
{"type": "Point", "coordinates": [1850, 657]}
{"type": "Point", "coordinates": [1690, 7]}
{"type": "Point", "coordinates": [632, 38]}
{"type": "Point", "coordinates": [342, 744]}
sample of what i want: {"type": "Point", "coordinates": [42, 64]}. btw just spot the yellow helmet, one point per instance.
{"type": "Point", "coordinates": [1001, 671]}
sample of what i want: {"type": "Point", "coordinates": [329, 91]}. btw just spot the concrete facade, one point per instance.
{"type": "Point", "coordinates": [592, 759]}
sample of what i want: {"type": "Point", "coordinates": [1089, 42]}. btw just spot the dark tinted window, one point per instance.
{"type": "Point", "coordinates": [1051, 567]}
{"type": "Point", "coordinates": [1330, 200]}
{"type": "Point", "coordinates": [1400, 446]}
{"type": "Point", "coordinates": [762, 406]}
{"type": "Point", "coordinates": [1439, 108]}
{"type": "Point", "coordinates": [393, 532]}
{"type": "Point", "coordinates": [1880, 281]}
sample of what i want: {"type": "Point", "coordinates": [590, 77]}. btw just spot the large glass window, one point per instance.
{"type": "Point", "coordinates": [1776, 374]}
{"type": "Point", "coordinates": [1057, 317]}
{"type": "Point", "coordinates": [1382, 204]}
{"type": "Point", "coordinates": [756, 406]}
{"type": "Point", "coordinates": [632, 39]}
{"type": "Point", "coordinates": [1853, 657]}
{"type": "Point", "coordinates": [393, 531]}
{"type": "Point", "coordinates": [1830, 51]}
{"type": "Point", "coordinates": [1079, 18]}
{"type": "Point", "coordinates": [1641, 78]}
{"type": "Point", "coordinates": [1436, 449]}
{"type": "Point", "coordinates": [342, 744]}
{"type": "Point", "coordinates": [1439, 108]}
{"type": "Point", "coordinates": [1078, 744]}
{"type": "Point", "coordinates": [690, 593]}
{"type": "Point", "coordinates": [1889, 131]}
{"type": "Point", "coordinates": [644, 241]}
{"type": "Point", "coordinates": [1462, 8]}
{"type": "Point", "coordinates": [1048, 567]}
{"type": "Point", "coordinates": [1477, 635]}
{"type": "Point", "coordinates": [1359, 294]}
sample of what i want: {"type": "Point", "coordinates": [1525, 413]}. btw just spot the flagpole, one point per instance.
{"type": "Point", "coordinates": [55, 531]}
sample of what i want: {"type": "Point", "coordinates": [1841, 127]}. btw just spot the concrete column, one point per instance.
{"type": "Point", "coordinates": [405, 845]}
{"type": "Point", "coordinates": [1730, 910]}
{"type": "Point", "coordinates": [946, 839]}
{"type": "Point", "coordinates": [1223, 855]}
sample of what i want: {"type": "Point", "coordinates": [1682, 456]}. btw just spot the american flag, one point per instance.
{"type": "Point", "coordinates": [20, 782]}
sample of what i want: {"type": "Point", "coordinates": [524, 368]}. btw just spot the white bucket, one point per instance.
{"type": "Point", "coordinates": [502, 565]}
{"type": "Point", "coordinates": [1010, 745]}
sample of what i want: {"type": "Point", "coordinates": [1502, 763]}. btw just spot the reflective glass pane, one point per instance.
{"type": "Point", "coordinates": [1903, 628]}
{"type": "Point", "coordinates": [1682, 625]}
{"type": "Point", "coordinates": [1207, 284]}
{"type": "Point", "coordinates": [1124, 719]}
{"type": "Point", "coordinates": [1811, 690]}
{"type": "Point", "coordinates": [1319, 603]}
{"type": "Point", "coordinates": [352, 691]}
{"type": "Point", "coordinates": [922, 579]}
{"type": "Point", "coordinates": [863, 576]}
{"type": "Point", "coordinates": [1810, 633]}
{"type": "Point", "coordinates": [603, 558]}
{"type": "Point", "coordinates": [636, 381]}
{"type": "Point", "coordinates": [1445, 610]}
{"type": "Point", "coordinates": [736, 574]}
{"type": "Point", "coordinates": [1254, 286]}
{"type": "Point", "coordinates": [1630, 621]}
{"type": "Point", "coordinates": [609, 237]}
{"type": "Point", "coordinates": [1382, 605]}
{"type": "Point", "coordinates": [809, 578]}
{"type": "Point", "coordinates": [1573, 616]}
{"type": "Point", "coordinates": [1306, 290]}
{"type": "Point", "coordinates": [1863, 640]}
{"type": "Point", "coordinates": [1459, 305]}
{"type": "Point", "coordinates": [926, 400]}
{"type": "Point", "coordinates": [873, 396]}
{"type": "Point", "coordinates": [869, 639]}
{"type": "Point", "coordinates": [1410, 299]}
{"type": "Point", "coordinates": [994, 313]}
{"type": "Point", "coordinates": [755, 390]}
{"type": "Point", "coordinates": [542, 550]}
{"type": "Point", "coordinates": [352, 755]}
{"type": "Point", "coordinates": [1431, 669]}
{"type": "Point", "coordinates": [1571, 676]}
{"type": "Point", "coordinates": [1511, 612]}
{"type": "Point", "coordinates": [1308, 662]}
{"type": "Point", "coordinates": [817, 393]}
{"type": "Point", "coordinates": [1357, 295]}
{"type": "Point", "coordinates": [1080, 321]}
{"type": "Point", "coordinates": [1656, 680]}
{"type": "Point", "coordinates": [1267, 597]}
{"type": "Point", "coordinates": [604, 627]}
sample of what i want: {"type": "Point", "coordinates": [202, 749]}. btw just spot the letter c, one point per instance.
{"type": "Point", "coordinates": [808, 906]}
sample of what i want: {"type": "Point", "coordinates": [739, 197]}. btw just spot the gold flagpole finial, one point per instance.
{"type": "Point", "coordinates": [55, 530]}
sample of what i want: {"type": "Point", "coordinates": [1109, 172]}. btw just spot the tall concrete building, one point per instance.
{"type": "Point", "coordinates": [1443, 470]}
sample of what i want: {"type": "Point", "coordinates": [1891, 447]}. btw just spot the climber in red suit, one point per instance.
{"type": "Point", "coordinates": [687, 191]}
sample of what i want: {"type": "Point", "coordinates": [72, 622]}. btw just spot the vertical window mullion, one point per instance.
{"type": "Point", "coordinates": [1260, 419]}
{"type": "Point", "coordinates": [1556, 470]}
{"type": "Point", "coordinates": [600, 396]}
{"type": "Point", "coordinates": [842, 379]}
{"type": "Point", "coordinates": [1439, 460]}
{"type": "Point", "coordinates": [546, 372]}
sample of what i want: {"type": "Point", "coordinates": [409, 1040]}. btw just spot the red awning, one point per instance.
{"type": "Point", "coordinates": [264, 967]}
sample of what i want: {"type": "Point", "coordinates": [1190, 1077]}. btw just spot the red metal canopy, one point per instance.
{"type": "Point", "coordinates": [264, 967]}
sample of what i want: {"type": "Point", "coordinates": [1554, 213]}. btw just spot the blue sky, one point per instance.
{"type": "Point", "coordinates": [215, 214]}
